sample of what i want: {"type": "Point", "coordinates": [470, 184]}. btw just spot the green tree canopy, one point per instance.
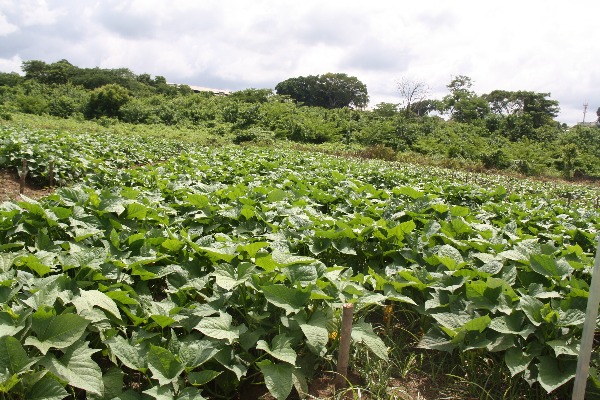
{"type": "Point", "coordinates": [303, 89]}
{"type": "Point", "coordinates": [537, 106]}
{"type": "Point", "coordinates": [424, 107]}
{"type": "Point", "coordinates": [330, 90]}
{"type": "Point", "coordinates": [58, 73]}
{"type": "Point", "coordinates": [462, 103]}
{"type": "Point", "coordinates": [10, 79]}
{"type": "Point", "coordinates": [252, 95]}
{"type": "Point", "coordinates": [34, 69]}
{"type": "Point", "coordinates": [92, 78]}
{"type": "Point", "coordinates": [386, 110]}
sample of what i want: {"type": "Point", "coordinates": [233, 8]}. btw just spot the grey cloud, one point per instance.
{"type": "Point", "coordinates": [14, 44]}
{"type": "Point", "coordinates": [332, 28]}
{"type": "Point", "coordinates": [378, 56]}
{"type": "Point", "coordinates": [32, 45]}
{"type": "Point", "coordinates": [574, 99]}
{"type": "Point", "coordinates": [213, 80]}
{"type": "Point", "coordinates": [127, 25]}
{"type": "Point", "coordinates": [48, 42]}
{"type": "Point", "coordinates": [156, 24]}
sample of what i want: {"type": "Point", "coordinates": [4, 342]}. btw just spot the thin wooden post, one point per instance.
{"type": "Point", "coordinates": [344, 349]}
{"type": "Point", "coordinates": [589, 328]}
{"type": "Point", "coordinates": [23, 175]}
{"type": "Point", "coordinates": [51, 173]}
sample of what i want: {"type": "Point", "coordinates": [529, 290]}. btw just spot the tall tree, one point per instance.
{"type": "Point", "coordinates": [330, 90]}
{"type": "Point", "coordinates": [92, 78]}
{"type": "Point", "coordinates": [503, 102]}
{"type": "Point", "coordinates": [539, 109]}
{"type": "Point", "coordinates": [411, 92]}
{"type": "Point", "coordinates": [34, 69]}
{"type": "Point", "coordinates": [462, 103]}
{"type": "Point", "coordinates": [58, 73]}
{"type": "Point", "coordinates": [341, 90]}
{"type": "Point", "coordinates": [303, 89]}
{"type": "Point", "coordinates": [424, 107]}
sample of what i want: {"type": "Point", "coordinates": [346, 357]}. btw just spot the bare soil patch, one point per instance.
{"type": "Point", "coordinates": [10, 187]}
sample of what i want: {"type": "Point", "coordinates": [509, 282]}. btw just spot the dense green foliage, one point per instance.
{"type": "Point", "coordinates": [507, 130]}
{"type": "Point", "coordinates": [77, 154]}
{"type": "Point", "coordinates": [106, 101]}
{"type": "Point", "coordinates": [327, 90]}
{"type": "Point", "coordinates": [220, 267]}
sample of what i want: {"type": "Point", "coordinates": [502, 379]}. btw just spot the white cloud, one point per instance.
{"type": "Point", "coordinates": [26, 13]}
{"type": "Point", "coordinates": [11, 65]}
{"type": "Point", "coordinates": [6, 27]}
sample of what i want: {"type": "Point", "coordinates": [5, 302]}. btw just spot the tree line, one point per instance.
{"type": "Point", "coordinates": [502, 129]}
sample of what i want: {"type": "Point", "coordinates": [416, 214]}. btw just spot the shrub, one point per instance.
{"type": "Point", "coordinates": [5, 114]}
{"type": "Point", "coordinates": [32, 104]}
{"type": "Point", "coordinates": [255, 135]}
{"type": "Point", "coordinates": [107, 101]}
{"type": "Point", "coordinates": [137, 111]}
{"type": "Point", "coordinates": [378, 152]}
{"type": "Point", "coordinates": [569, 153]}
{"type": "Point", "coordinates": [67, 100]}
{"type": "Point", "coordinates": [497, 159]}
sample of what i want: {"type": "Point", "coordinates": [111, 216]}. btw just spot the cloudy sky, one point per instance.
{"type": "Point", "coordinates": [544, 46]}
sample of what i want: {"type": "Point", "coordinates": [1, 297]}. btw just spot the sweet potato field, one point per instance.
{"type": "Point", "coordinates": [179, 272]}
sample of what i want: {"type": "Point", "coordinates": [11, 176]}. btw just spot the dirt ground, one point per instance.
{"type": "Point", "coordinates": [10, 187]}
{"type": "Point", "coordinates": [414, 387]}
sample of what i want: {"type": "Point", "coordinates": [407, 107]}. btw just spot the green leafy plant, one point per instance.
{"type": "Point", "coordinates": [217, 268]}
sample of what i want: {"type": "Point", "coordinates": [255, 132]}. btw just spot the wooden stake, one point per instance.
{"type": "Point", "coordinates": [51, 173]}
{"type": "Point", "coordinates": [23, 175]}
{"type": "Point", "coordinates": [344, 349]}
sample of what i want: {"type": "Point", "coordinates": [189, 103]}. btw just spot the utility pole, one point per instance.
{"type": "Point", "coordinates": [585, 106]}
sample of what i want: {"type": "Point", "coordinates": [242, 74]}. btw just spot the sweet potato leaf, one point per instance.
{"type": "Point", "coordinates": [55, 331]}
{"type": "Point", "coordinates": [77, 367]}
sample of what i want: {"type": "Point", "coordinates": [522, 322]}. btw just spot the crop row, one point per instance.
{"type": "Point", "coordinates": [76, 154]}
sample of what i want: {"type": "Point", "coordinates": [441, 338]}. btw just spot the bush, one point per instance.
{"type": "Point", "coordinates": [106, 121]}
{"type": "Point", "coordinates": [524, 167]}
{"type": "Point", "coordinates": [497, 159]}
{"type": "Point", "coordinates": [569, 154]}
{"type": "Point", "coordinates": [378, 152]}
{"type": "Point", "coordinates": [32, 104]}
{"type": "Point", "coordinates": [67, 100]}
{"type": "Point", "coordinates": [137, 111]}
{"type": "Point", "coordinates": [107, 101]}
{"type": "Point", "coordinates": [5, 114]}
{"type": "Point", "coordinates": [255, 135]}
